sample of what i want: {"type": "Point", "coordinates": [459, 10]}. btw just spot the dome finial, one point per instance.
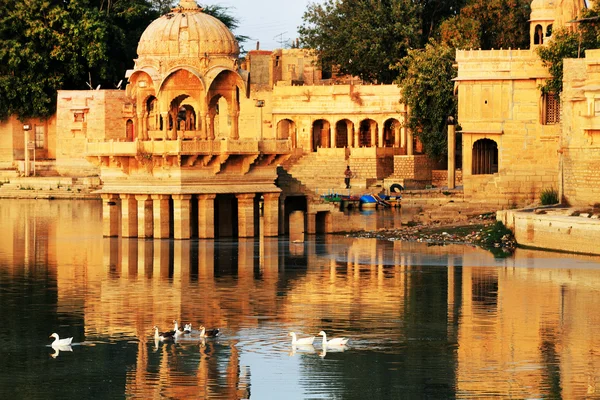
{"type": "Point", "coordinates": [188, 5]}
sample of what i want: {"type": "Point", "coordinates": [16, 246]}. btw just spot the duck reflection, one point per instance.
{"type": "Point", "coordinates": [302, 348]}
{"type": "Point", "coordinates": [58, 348]}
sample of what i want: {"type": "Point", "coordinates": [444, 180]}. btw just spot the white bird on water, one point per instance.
{"type": "Point", "coordinates": [302, 341]}
{"type": "Point", "coordinates": [60, 342]}
{"type": "Point", "coordinates": [333, 342]}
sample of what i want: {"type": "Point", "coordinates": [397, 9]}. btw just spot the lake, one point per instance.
{"type": "Point", "coordinates": [423, 321]}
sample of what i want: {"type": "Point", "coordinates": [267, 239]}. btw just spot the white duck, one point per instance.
{"type": "Point", "coordinates": [303, 341]}
{"type": "Point", "coordinates": [60, 342]}
{"type": "Point", "coordinates": [333, 342]}
{"type": "Point", "coordinates": [204, 333]}
{"type": "Point", "coordinates": [163, 336]}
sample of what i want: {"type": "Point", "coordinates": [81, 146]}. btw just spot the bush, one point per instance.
{"type": "Point", "coordinates": [549, 196]}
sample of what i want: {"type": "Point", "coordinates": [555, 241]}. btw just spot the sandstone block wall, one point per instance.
{"type": "Point", "coordinates": [580, 144]}
{"type": "Point", "coordinates": [500, 100]}
{"type": "Point", "coordinates": [553, 232]}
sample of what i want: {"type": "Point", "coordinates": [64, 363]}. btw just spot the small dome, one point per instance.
{"type": "Point", "coordinates": [187, 32]}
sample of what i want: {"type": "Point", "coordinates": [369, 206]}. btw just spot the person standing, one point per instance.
{"type": "Point", "coordinates": [348, 175]}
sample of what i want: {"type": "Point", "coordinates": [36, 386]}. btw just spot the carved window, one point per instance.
{"type": "Point", "coordinates": [551, 109]}
{"type": "Point", "coordinates": [79, 116]}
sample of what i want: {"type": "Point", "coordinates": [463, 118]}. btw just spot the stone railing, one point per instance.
{"type": "Point", "coordinates": [274, 146]}
{"type": "Point", "coordinates": [178, 147]}
{"type": "Point", "coordinates": [111, 148]}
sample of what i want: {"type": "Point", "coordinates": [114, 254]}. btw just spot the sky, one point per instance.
{"type": "Point", "coordinates": [271, 22]}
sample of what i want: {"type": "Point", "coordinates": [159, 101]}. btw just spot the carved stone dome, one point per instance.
{"type": "Point", "coordinates": [187, 32]}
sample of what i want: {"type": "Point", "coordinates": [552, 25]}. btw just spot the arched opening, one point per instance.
{"type": "Point", "coordinates": [224, 105]}
{"type": "Point", "coordinates": [320, 134]}
{"type": "Point", "coordinates": [485, 157]}
{"type": "Point", "coordinates": [391, 132]}
{"type": "Point", "coordinates": [175, 124]}
{"type": "Point", "coordinates": [286, 129]}
{"type": "Point", "coordinates": [129, 130]}
{"type": "Point", "coordinates": [186, 118]}
{"type": "Point", "coordinates": [343, 133]}
{"type": "Point", "coordinates": [549, 31]}
{"type": "Point", "coordinates": [538, 36]}
{"type": "Point", "coordinates": [367, 135]}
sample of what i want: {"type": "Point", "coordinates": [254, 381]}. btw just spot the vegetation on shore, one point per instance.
{"type": "Point", "coordinates": [482, 231]}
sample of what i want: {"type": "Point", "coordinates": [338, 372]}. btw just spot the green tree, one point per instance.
{"type": "Point", "coordinates": [44, 46]}
{"type": "Point", "coordinates": [427, 89]}
{"type": "Point", "coordinates": [569, 44]}
{"type": "Point", "coordinates": [362, 37]}
{"type": "Point", "coordinates": [434, 12]}
{"type": "Point", "coordinates": [489, 24]}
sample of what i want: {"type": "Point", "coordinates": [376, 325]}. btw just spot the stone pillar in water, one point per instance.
{"type": "Point", "coordinates": [181, 216]}
{"type": "Point", "coordinates": [144, 216]}
{"type": "Point", "coordinates": [245, 214]}
{"type": "Point", "coordinates": [160, 203]}
{"type": "Point", "coordinates": [110, 214]}
{"type": "Point", "coordinates": [206, 216]}
{"type": "Point", "coordinates": [271, 214]}
{"type": "Point", "coordinates": [129, 219]}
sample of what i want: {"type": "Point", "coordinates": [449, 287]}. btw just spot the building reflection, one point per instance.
{"type": "Point", "coordinates": [532, 328]}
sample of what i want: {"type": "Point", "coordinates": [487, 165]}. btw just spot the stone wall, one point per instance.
{"type": "Point", "coordinates": [500, 100]}
{"type": "Point", "coordinates": [580, 144]}
{"type": "Point", "coordinates": [553, 232]}
{"type": "Point", "coordinates": [12, 141]}
{"type": "Point", "coordinates": [83, 115]}
{"type": "Point", "coordinates": [439, 178]}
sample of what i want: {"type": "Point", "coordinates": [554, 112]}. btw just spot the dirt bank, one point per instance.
{"type": "Point", "coordinates": [481, 230]}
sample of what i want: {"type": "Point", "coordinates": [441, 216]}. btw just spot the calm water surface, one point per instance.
{"type": "Point", "coordinates": [423, 321]}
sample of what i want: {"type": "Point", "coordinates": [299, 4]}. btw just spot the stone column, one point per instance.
{"type": "Point", "coordinates": [311, 223]}
{"type": "Point", "coordinates": [144, 216]}
{"type": "Point", "coordinates": [129, 218]}
{"type": "Point", "coordinates": [409, 142]}
{"type": "Point", "coordinates": [349, 134]}
{"type": "Point", "coordinates": [245, 214]}
{"type": "Point", "coordinates": [396, 130]}
{"type": "Point", "coordinates": [206, 216]}
{"type": "Point", "coordinates": [235, 130]}
{"type": "Point", "coordinates": [271, 213]}
{"type": "Point", "coordinates": [165, 125]}
{"type": "Point", "coordinates": [181, 216]}
{"type": "Point", "coordinates": [451, 154]}
{"type": "Point", "coordinates": [282, 215]}
{"type": "Point", "coordinates": [139, 125]}
{"type": "Point", "coordinates": [160, 205]}
{"type": "Point", "coordinates": [110, 214]}
{"type": "Point", "coordinates": [380, 136]}
{"type": "Point", "coordinates": [373, 132]}
{"type": "Point", "coordinates": [200, 125]}
{"type": "Point", "coordinates": [210, 126]}
{"type": "Point", "coordinates": [356, 137]}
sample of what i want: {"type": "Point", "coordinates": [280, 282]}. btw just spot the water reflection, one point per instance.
{"type": "Point", "coordinates": [424, 321]}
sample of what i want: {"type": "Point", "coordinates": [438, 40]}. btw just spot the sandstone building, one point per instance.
{"type": "Point", "coordinates": [191, 147]}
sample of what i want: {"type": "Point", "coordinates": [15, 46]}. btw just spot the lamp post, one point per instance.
{"type": "Point", "coordinates": [451, 153]}
{"type": "Point", "coordinates": [26, 129]}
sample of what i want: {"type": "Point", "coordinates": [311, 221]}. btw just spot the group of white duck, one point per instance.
{"type": "Point", "coordinates": [186, 333]}
{"type": "Point", "coordinates": [308, 341]}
